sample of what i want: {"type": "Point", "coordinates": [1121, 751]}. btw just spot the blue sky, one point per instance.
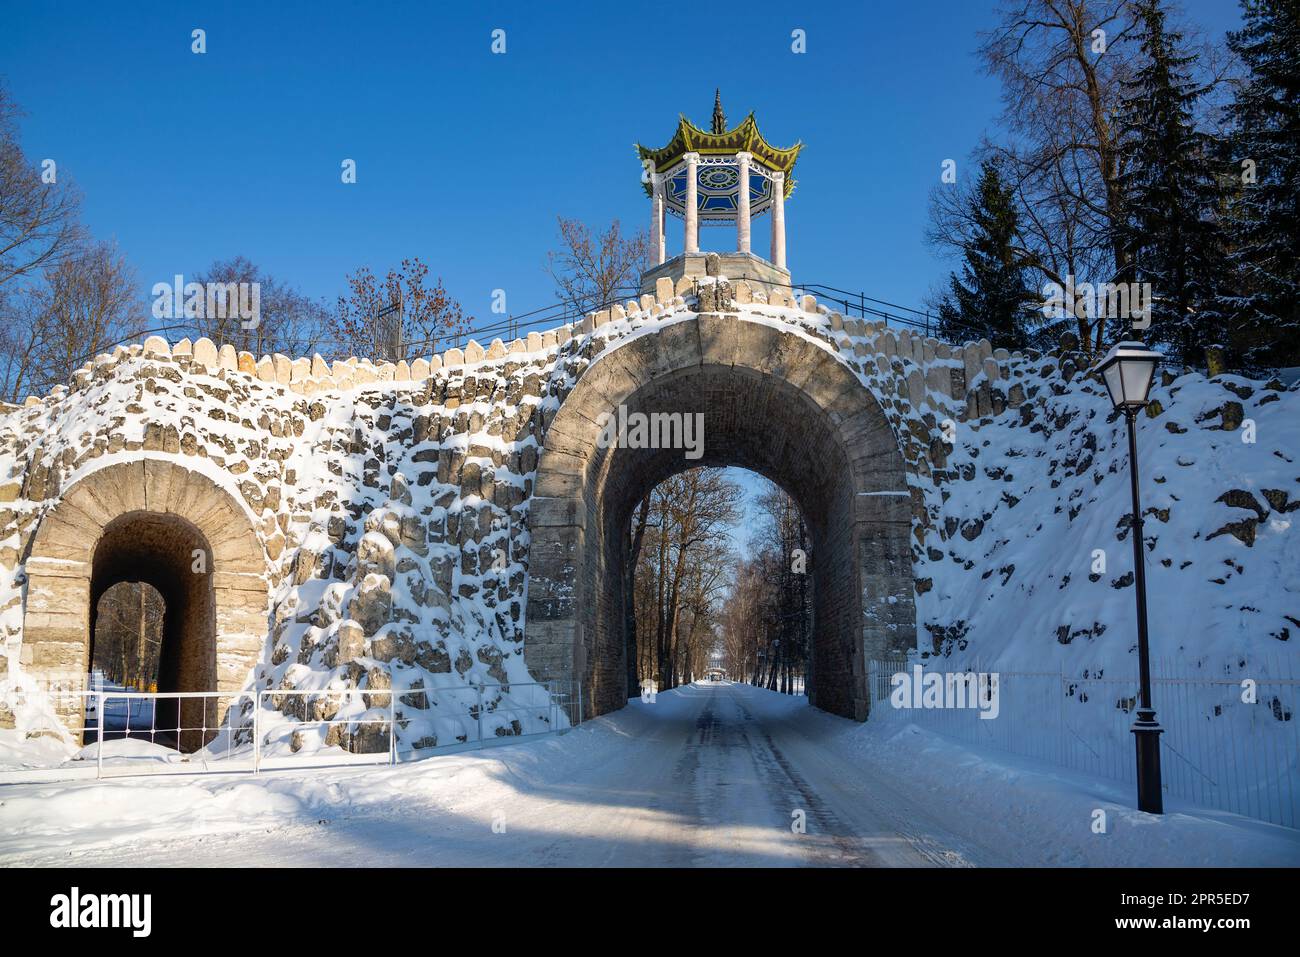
{"type": "Point", "coordinates": [464, 157]}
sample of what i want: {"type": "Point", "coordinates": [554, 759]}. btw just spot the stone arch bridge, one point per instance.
{"type": "Point", "coordinates": [455, 519]}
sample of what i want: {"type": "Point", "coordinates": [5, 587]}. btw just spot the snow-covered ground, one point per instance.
{"type": "Point", "coordinates": [1021, 537]}
{"type": "Point", "coordinates": [710, 774]}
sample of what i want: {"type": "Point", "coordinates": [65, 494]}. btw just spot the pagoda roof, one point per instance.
{"type": "Point", "coordinates": [744, 137]}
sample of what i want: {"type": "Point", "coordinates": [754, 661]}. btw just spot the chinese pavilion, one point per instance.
{"type": "Point", "coordinates": [716, 177]}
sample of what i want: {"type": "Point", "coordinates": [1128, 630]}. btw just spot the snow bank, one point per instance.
{"type": "Point", "coordinates": [574, 797]}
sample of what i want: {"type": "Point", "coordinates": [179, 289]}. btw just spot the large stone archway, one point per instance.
{"type": "Point", "coordinates": [773, 402]}
{"type": "Point", "coordinates": [149, 520]}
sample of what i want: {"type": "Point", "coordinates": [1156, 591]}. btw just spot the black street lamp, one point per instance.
{"type": "Point", "coordinates": [1128, 370]}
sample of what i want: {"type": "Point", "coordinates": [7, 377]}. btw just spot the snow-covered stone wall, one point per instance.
{"type": "Point", "coordinates": [1032, 566]}
{"type": "Point", "coordinates": [390, 503]}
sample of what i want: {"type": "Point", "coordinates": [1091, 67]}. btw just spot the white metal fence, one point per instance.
{"type": "Point", "coordinates": [58, 735]}
{"type": "Point", "coordinates": [1230, 742]}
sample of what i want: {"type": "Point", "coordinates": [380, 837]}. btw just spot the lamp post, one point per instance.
{"type": "Point", "coordinates": [1128, 370]}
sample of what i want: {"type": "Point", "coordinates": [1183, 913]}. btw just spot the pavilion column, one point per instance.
{"type": "Point", "coordinates": [657, 219]}
{"type": "Point", "coordinates": [778, 219]}
{"type": "Point", "coordinates": [663, 227]}
{"type": "Point", "coordinates": [742, 205]}
{"type": "Point", "coordinates": [692, 204]}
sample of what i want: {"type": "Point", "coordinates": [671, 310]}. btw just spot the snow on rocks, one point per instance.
{"type": "Point", "coordinates": [392, 499]}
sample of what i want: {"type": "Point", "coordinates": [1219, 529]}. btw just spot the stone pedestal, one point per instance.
{"type": "Point", "coordinates": [756, 270]}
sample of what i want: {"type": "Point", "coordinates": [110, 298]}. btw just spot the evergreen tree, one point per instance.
{"type": "Point", "coordinates": [991, 299]}
{"type": "Point", "coordinates": [1171, 232]}
{"type": "Point", "coordinates": [1265, 299]}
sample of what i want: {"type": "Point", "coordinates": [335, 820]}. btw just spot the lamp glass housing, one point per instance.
{"type": "Point", "coordinates": [1128, 371]}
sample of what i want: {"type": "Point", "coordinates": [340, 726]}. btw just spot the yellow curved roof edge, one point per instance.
{"type": "Point", "coordinates": [689, 138]}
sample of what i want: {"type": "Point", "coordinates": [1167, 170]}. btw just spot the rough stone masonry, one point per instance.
{"type": "Point", "coordinates": [452, 521]}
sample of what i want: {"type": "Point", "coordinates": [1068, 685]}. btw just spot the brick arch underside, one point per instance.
{"type": "Point", "coordinates": [144, 520]}
{"type": "Point", "coordinates": [772, 403]}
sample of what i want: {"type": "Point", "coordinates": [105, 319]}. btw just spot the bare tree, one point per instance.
{"type": "Point", "coordinates": [705, 582]}
{"type": "Point", "coordinates": [700, 506]}
{"type": "Point", "coordinates": [1061, 64]}
{"type": "Point", "coordinates": [81, 307]}
{"type": "Point", "coordinates": [20, 310]}
{"type": "Point", "coordinates": [398, 317]}
{"type": "Point", "coordinates": [744, 620]}
{"type": "Point", "coordinates": [38, 219]}
{"type": "Point", "coordinates": [128, 634]}
{"type": "Point", "coordinates": [287, 321]}
{"type": "Point", "coordinates": [38, 229]}
{"type": "Point", "coordinates": [592, 269]}
{"type": "Point", "coordinates": [632, 555]}
{"type": "Point", "coordinates": [766, 621]}
{"type": "Point", "coordinates": [680, 575]}
{"type": "Point", "coordinates": [784, 552]}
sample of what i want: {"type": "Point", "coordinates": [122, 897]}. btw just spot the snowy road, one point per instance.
{"type": "Point", "coordinates": [707, 775]}
{"type": "Point", "coordinates": [708, 781]}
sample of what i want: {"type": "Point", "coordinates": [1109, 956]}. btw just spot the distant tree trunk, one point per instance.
{"type": "Point", "coordinates": [688, 673]}
{"type": "Point", "coordinates": [141, 631]}
{"type": "Point", "coordinates": [670, 630]}
{"type": "Point", "coordinates": [660, 616]}
{"type": "Point", "coordinates": [629, 595]}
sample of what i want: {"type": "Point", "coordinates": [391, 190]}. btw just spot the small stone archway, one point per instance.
{"type": "Point", "coordinates": [774, 403]}
{"type": "Point", "coordinates": [144, 520]}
